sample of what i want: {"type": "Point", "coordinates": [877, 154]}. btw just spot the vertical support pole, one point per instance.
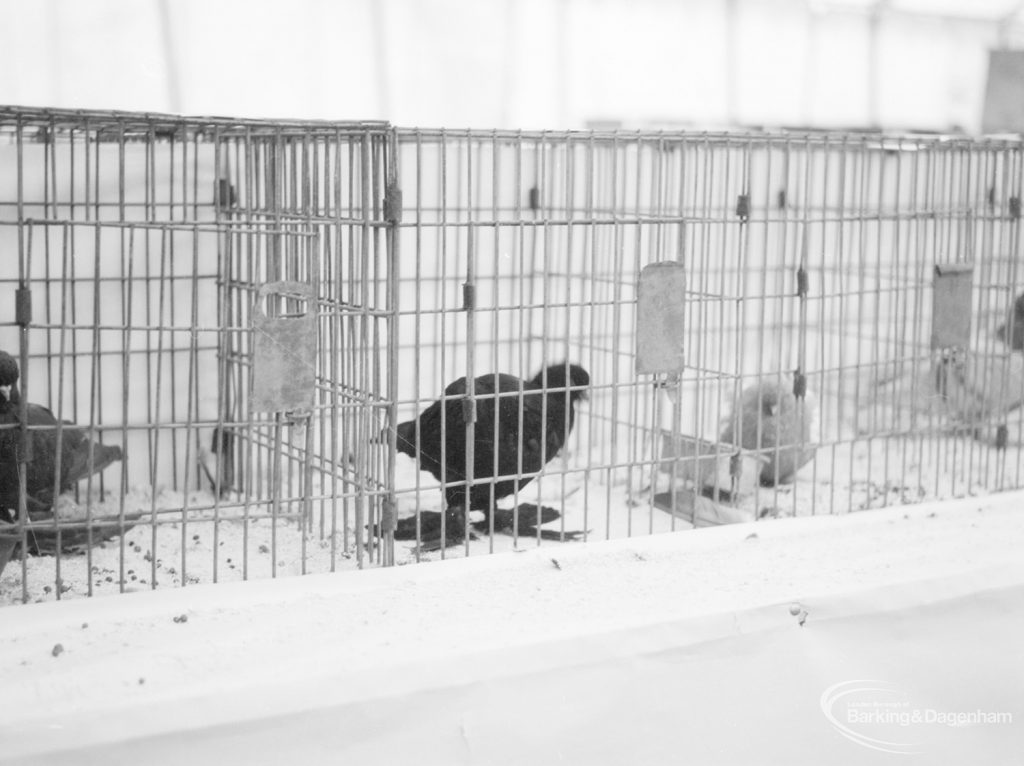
{"type": "Point", "coordinates": [366, 207]}
{"type": "Point", "coordinates": [24, 317]}
{"type": "Point", "coordinates": [469, 305]}
{"type": "Point", "coordinates": [393, 217]}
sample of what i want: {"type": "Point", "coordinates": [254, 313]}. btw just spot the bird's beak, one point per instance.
{"type": "Point", "coordinates": [6, 391]}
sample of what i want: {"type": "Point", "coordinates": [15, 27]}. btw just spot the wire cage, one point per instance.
{"type": "Point", "coordinates": [150, 256]}
{"type": "Point", "coordinates": [808, 262]}
{"type": "Point", "coordinates": [773, 324]}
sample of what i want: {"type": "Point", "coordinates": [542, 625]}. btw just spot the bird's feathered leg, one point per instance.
{"type": "Point", "coordinates": [429, 529]}
{"type": "Point", "coordinates": [455, 529]}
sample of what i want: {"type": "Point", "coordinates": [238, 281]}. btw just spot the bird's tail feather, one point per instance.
{"type": "Point", "coordinates": [102, 457]}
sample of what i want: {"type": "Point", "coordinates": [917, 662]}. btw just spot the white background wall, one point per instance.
{"type": "Point", "coordinates": [514, 63]}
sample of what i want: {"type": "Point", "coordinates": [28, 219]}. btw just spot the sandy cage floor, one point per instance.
{"type": "Point", "coordinates": [608, 505]}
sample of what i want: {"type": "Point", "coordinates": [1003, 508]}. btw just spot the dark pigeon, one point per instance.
{"type": "Point", "coordinates": [217, 463]}
{"type": "Point", "coordinates": [79, 456]}
{"type": "Point", "coordinates": [501, 448]}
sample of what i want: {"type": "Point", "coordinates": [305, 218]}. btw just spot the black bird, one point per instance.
{"type": "Point", "coordinates": [218, 462]}
{"type": "Point", "coordinates": [78, 455]}
{"type": "Point", "coordinates": [1012, 333]}
{"type": "Point", "coordinates": [547, 404]}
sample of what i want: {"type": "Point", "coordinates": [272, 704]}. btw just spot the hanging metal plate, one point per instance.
{"type": "Point", "coordinates": [661, 302]}
{"type": "Point", "coordinates": [285, 354]}
{"type": "Point", "coordinates": [951, 305]}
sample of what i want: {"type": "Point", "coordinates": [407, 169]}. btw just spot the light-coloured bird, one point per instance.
{"type": "Point", "coordinates": [775, 423]}
{"type": "Point", "coordinates": [1012, 332]}
{"type": "Point", "coordinates": [983, 383]}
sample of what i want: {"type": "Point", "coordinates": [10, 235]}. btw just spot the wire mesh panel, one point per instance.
{"type": "Point", "coordinates": [811, 380]}
{"type": "Point", "coordinates": [150, 257]}
{"type": "Point", "coordinates": [271, 347]}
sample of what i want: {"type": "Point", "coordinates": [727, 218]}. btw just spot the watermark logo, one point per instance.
{"type": "Point", "coordinates": [860, 709]}
{"type": "Point", "coordinates": [879, 715]}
